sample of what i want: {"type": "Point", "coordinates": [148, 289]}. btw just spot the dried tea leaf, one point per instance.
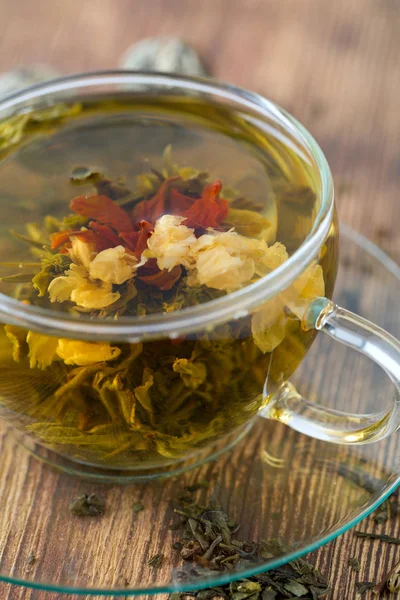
{"type": "Point", "coordinates": [269, 594]}
{"type": "Point", "coordinates": [29, 562]}
{"type": "Point", "coordinates": [137, 507]}
{"type": "Point", "coordinates": [377, 536]}
{"type": "Point", "coordinates": [200, 485]}
{"type": "Point", "coordinates": [244, 589]}
{"type": "Point", "coordinates": [364, 586]}
{"type": "Point", "coordinates": [87, 506]}
{"type": "Point", "coordinates": [296, 589]}
{"type": "Point", "coordinates": [354, 563]}
{"type": "Point", "coordinates": [156, 561]}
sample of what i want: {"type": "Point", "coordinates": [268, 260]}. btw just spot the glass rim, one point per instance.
{"type": "Point", "coordinates": [210, 314]}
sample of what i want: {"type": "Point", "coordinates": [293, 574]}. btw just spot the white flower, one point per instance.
{"type": "Point", "coordinates": [114, 265]}
{"type": "Point", "coordinates": [170, 243]}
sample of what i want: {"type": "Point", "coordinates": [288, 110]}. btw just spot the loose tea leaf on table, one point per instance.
{"type": "Point", "coordinates": [29, 562]}
{"type": "Point", "coordinates": [377, 536]}
{"type": "Point", "coordinates": [355, 564]}
{"type": "Point", "coordinates": [365, 586]}
{"type": "Point", "coordinates": [210, 541]}
{"type": "Point", "coordinates": [87, 506]}
{"type": "Point", "coordinates": [156, 561]}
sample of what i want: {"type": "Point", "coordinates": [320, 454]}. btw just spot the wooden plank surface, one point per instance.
{"type": "Point", "coordinates": [334, 65]}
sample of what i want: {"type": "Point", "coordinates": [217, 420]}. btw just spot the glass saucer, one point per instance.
{"type": "Point", "coordinates": [275, 483]}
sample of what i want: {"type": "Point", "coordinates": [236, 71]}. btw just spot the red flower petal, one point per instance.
{"type": "Point", "coordinates": [106, 238]}
{"type": "Point", "coordinates": [61, 237]}
{"type": "Point", "coordinates": [137, 240]}
{"type": "Point", "coordinates": [209, 210]}
{"type": "Point", "coordinates": [179, 203]}
{"type": "Point", "coordinates": [150, 210]}
{"type": "Point", "coordinates": [103, 209]}
{"type": "Point", "coordinates": [163, 280]}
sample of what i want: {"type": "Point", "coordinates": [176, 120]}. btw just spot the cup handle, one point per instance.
{"type": "Point", "coordinates": [289, 407]}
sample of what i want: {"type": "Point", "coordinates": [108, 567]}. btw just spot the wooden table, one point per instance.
{"type": "Point", "coordinates": [334, 65]}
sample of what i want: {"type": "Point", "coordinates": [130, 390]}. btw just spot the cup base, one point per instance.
{"type": "Point", "coordinates": [136, 474]}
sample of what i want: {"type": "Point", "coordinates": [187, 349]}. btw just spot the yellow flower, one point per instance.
{"type": "Point", "coordinates": [76, 285]}
{"type": "Point", "coordinates": [90, 278]}
{"type": "Point", "coordinates": [226, 260]}
{"type": "Point", "coordinates": [268, 326]}
{"type": "Point", "coordinates": [114, 265]}
{"type": "Point", "coordinates": [272, 258]}
{"type": "Point", "coordinates": [221, 260]}
{"type": "Point", "coordinates": [74, 352]}
{"type": "Point", "coordinates": [219, 269]}
{"type": "Point", "coordinates": [82, 253]}
{"type": "Point", "coordinates": [42, 349]}
{"type": "Point", "coordinates": [305, 289]}
{"type": "Point", "coordinates": [268, 323]}
{"type": "Point", "coordinates": [170, 243]}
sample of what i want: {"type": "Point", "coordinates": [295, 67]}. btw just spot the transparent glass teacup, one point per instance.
{"type": "Point", "coordinates": [242, 346]}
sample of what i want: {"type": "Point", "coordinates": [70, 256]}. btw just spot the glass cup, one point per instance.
{"type": "Point", "coordinates": [134, 422]}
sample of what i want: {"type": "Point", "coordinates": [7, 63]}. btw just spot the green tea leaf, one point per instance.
{"type": "Point", "coordinates": [12, 130]}
{"type": "Point", "coordinates": [52, 267]}
{"type": "Point", "coordinates": [73, 222]}
{"type": "Point", "coordinates": [28, 240]}
{"type": "Point", "coordinates": [142, 393]}
{"type": "Point", "coordinates": [147, 184]}
{"type": "Point", "coordinates": [247, 222]}
{"type": "Point", "coordinates": [107, 439]}
{"type": "Point", "coordinates": [193, 374]}
{"type": "Point", "coordinates": [18, 278]}
{"type": "Point", "coordinates": [20, 265]}
{"type": "Point", "coordinates": [52, 224]}
{"type": "Point", "coordinates": [54, 113]}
